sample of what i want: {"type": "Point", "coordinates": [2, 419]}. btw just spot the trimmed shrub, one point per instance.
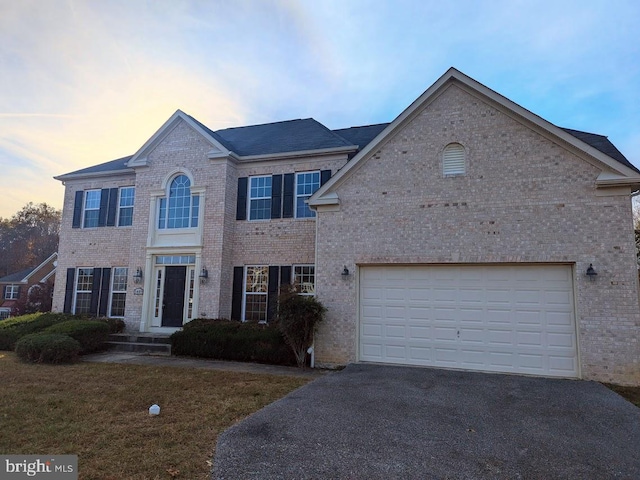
{"type": "Point", "coordinates": [116, 325]}
{"type": "Point", "coordinates": [231, 340]}
{"type": "Point", "coordinates": [90, 334]}
{"type": "Point", "coordinates": [12, 329]}
{"type": "Point", "coordinates": [47, 348]}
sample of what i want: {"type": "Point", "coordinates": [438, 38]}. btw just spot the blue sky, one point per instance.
{"type": "Point", "coordinates": [84, 82]}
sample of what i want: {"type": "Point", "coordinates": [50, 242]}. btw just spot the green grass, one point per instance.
{"type": "Point", "coordinates": [100, 413]}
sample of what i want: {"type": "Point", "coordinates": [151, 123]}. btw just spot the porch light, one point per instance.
{"type": "Point", "coordinates": [591, 272]}
{"type": "Point", "coordinates": [137, 278]}
{"type": "Point", "coordinates": [345, 271]}
{"type": "Point", "coordinates": [204, 275]}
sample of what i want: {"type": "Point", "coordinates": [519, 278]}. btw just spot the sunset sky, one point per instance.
{"type": "Point", "coordinates": [84, 82]}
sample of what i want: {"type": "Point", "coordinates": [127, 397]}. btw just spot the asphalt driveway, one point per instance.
{"type": "Point", "coordinates": [385, 422]}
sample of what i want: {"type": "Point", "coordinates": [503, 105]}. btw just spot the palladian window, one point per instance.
{"type": "Point", "coordinates": [180, 208]}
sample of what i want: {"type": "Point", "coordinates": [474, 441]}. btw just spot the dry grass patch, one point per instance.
{"type": "Point", "coordinates": [100, 413]}
{"type": "Point", "coordinates": [632, 394]}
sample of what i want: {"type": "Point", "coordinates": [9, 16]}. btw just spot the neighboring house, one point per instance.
{"type": "Point", "coordinates": [16, 287]}
{"type": "Point", "coordinates": [459, 235]}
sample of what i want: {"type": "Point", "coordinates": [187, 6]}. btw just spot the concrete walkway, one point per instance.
{"type": "Point", "coordinates": [189, 362]}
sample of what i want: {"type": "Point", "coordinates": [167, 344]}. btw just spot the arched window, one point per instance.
{"type": "Point", "coordinates": [179, 209]}
{"type": "Point", "coordinates": [453, 160]}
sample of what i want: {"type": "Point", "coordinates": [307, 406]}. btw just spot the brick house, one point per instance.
{"type": "Point", "coordinates": [16, 287]}
{"type": "Point", "coordinates": [467, 233]}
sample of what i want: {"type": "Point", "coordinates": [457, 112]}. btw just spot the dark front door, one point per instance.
{"type": "Point", "coordinates": [173, 301]}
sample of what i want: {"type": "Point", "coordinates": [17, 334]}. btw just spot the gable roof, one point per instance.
{"type": "Point", "coordinates": [303, 136]}
{"type": "Point", "coordinates": [602, 143]}
{"type": "Point", "coordinates": [617, 170]}
{"type": "Point", "coordinates": [282, 137]}
{"type": "Point", "coordinates": [108, 168]}
{"type": "Point", "coordinates": [361, 136]}
{"type": "Point", "coordinates": [17, 277]}
{"type": "Point", "coordinates": [23, 275]}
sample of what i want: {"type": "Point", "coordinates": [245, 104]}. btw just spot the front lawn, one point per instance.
{"type": "Point", "coordinates": [100, 413]}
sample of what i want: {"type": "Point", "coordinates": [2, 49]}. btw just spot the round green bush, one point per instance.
{"type": "Point", "coordinates": [47, 348]}
{"type": "Point", "coordinates": [90, 334]}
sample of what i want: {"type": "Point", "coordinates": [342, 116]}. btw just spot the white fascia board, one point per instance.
{"type": "Point", "coordinates": [139, 158]}
{"type": "Point", "coordinates": [51, 257]}
{"type": "Point", "coordinates": [296, 154]}
{"type": "Point", "coordinates": [330, 198]}
{"type": "Point", "coordinates": [80, 176]}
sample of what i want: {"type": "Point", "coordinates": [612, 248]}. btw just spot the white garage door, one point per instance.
{"type": "Point", "coordinates": [494, 318]}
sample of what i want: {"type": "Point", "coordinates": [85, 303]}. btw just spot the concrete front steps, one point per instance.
{"type": "Point", "coordinates": [150, 343]}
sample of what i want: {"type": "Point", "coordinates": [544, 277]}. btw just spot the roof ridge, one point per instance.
{"type": "Point", "coordinates": [362, 126]}
{"type": "Point", "coordinates": [267, 123]}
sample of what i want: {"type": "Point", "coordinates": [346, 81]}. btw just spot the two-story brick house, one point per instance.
{"type": "Point", "coordinates": [459, 235]}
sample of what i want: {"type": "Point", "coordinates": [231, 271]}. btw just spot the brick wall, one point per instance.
{"type": "Point", "coordinates": [523, 198]}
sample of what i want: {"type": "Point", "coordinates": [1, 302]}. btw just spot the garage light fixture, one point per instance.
{"type": "Point", "coordinates": [591, 272]}
{"type": "Point", "coordinates": [345, 271]}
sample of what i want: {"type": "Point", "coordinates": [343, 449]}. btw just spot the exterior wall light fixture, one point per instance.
{"type": "Point", "coordinates": [137, 278]}
{"type": "Point", "coordinates": [204, 275]}
{"type": "Point", "coordinates": [591, 272]}
{"type": "Point", "coordinates": [345, 271]}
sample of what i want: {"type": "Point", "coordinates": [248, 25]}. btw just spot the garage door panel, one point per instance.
{"type": "Point", "coordinates": [492, 318]}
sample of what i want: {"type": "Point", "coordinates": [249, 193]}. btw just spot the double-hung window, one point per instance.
{"type": "Point", "coordinates": [118, 291]}
{"type": "Point", "coordinates": [306, 185]}
{"type": "Point", "coordinates": [304, 279]}
{"type": "Point", "coordinates": [256, 290]}
{"type": "Point", "coordinates": [12, 292]}
{"type": "Point", "coordinates": [84, 285]}
{"type": "Point", "coordinates": [180, 209]}
{"type": "Point", "coordinates": [125, 206]}
{"type": "Point", "coordinates": [260, 198]}
{"type": "Point", "coordinates": [91, 208]}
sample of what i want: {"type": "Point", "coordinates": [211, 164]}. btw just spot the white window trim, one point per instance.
{"type": "Point", "coordinates": [296, 196]}
{"type": "Point", "coordinates": [85, 209]}
{"type": "Point", "coordinates": [112, 291]}
{"type": "Point", "coordinates": [195, 192]}
{"type": "Point", "coordinates": [293, 280]}
{"type": "Point", "coordinates": [120, 207]}
{"type": "Point", "coordinates": [244, 292]}
{"type": "Point", "coordinates": [249, 198]}
{"type": "Point", "coordinates": [75, 286]}
{"type": "Point", "coordinates": [15, 292]}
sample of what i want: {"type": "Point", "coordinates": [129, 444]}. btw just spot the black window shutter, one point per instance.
{"type": "Point", "coordinates": [287, 195]}
{"type": "Point", "coordinates": [68, 293]}
{"type": "Point", "coordinates": [104, 292]}
{"type": "Point", "coordinates": [276, 196]}
{"type": "Point", "coordinates": [285, 275]}
{"type": "Point", "coordinates": [236, 294]}
{"type": "Point", "coordinates": [95, 292]}
{"type": "Point", "coordinates": [104, 204]}
{"type": "Point", "coordinates": [241, 207]}
{"type": "Point", "coordinates": [77, 209]}
{"type": "Point", "coordinates": [19, 290]}
{"type": "Point", "coordinates": [325, 175]}
{"type": "Point", "coordinates": [112, 207]}
{"type": "Point", "coordinates": [4, 292]}
{"type": "Point", "coordinates": [272, 295]}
